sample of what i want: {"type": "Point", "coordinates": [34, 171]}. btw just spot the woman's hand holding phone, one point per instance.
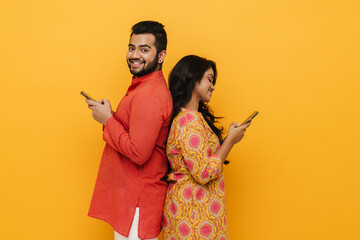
{"type": "Point", "coordinates": [236, 132]}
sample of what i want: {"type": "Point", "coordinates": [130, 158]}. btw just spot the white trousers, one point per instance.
{"type": "Point", "coordinates": [133, 235]}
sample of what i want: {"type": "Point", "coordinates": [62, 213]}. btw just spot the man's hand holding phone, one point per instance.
{"type": "Point", "coordinates": [101, 110]}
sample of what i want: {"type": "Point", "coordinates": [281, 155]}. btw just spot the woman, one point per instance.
{"type": "Point", "coordinates": [195, 202]}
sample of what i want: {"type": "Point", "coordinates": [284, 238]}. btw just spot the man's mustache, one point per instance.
{"type": "Point", "coordinates": [136, 59]}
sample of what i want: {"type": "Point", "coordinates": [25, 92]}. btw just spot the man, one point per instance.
{"type": "Point", "coordinates": [130, 188]}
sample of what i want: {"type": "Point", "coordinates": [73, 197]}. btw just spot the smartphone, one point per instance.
{"type": "Point", "coordinates": [87, 96]}
{"type": "Point", "coordinates": [250, 118]}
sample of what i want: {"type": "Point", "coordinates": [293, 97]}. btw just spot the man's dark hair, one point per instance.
{"type": "Point", "coordinates": [155, 28]}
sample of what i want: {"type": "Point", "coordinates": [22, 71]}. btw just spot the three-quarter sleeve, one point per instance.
{"type": "Point", "coordinates": [198, 156]}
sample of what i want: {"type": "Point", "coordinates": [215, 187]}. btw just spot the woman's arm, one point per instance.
{"type": "Point", "coordinates": [235, 134]}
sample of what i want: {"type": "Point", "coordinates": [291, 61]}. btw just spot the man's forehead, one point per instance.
{"type": "Point", "coordinates": [142, 39]}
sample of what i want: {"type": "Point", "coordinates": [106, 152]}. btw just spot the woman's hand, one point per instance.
{"type": "Point", "coordinates": [236, 132]}
{"type": "Point", "coordinates": [101, 110]}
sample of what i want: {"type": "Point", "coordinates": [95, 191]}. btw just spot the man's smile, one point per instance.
{"type": "Point", "coordinates": [136, 63]}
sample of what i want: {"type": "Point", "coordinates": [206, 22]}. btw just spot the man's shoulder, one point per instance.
{"type": "Point", "coordinates": [155, 96]}
{"type": "Point", "coordinates": [155, 88]}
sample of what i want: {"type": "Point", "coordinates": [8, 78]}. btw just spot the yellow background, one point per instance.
{"type": "Point", "coordinates": [295, 176]}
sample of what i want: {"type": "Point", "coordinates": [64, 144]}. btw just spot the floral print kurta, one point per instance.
{"type": "Point", "coordinates": [195, 201]}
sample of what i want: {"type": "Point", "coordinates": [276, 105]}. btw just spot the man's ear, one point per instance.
{"type": "Point", "coordinates": [161, 56]}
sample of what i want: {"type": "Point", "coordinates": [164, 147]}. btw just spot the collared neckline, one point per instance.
{"type": "Point", "coordinates": [147, 77]}
{"type": "Point", "coordinates": [190, 110]}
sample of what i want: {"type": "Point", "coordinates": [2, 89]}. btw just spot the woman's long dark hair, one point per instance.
{"type": "Point", "coordinates": [182, 80]}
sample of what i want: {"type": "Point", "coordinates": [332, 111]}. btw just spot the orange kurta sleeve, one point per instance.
{"type": "Point", "coordinates": [137, 143]}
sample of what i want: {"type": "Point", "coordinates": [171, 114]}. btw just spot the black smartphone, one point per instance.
{"type": "Point", "coordinates": [251, 117]}
{"type": "Point", "coordinates": [87, 96]}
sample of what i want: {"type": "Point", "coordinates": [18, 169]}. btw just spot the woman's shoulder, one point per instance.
{"type": "Point", "coordinates": [186, 117]}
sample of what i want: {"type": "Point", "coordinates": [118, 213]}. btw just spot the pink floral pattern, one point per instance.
{"type": "Point", "coordinates": [195, 201]}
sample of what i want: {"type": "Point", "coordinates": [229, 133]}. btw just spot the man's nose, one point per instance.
{"type": "Point", "coordinates": [135, 54]}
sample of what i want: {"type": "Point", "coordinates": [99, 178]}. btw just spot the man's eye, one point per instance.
{"type": "Point", "coordinates": [131, 49]}
{"type": "Point", "coordinates": [144, 50]}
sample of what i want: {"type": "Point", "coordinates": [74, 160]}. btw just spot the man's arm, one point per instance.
{"type": "Point", "coordinates": [146, 120]}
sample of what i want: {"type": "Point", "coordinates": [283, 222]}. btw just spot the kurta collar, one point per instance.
{"type": "Point", "coordinates": [190, 110]}
{"type": "Point", "coordinates": [136, 81]}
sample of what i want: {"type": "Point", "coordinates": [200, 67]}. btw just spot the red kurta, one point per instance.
{"type": "Point", "coordinates": [133, 165]}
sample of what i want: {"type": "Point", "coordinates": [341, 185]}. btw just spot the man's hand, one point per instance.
{"type": "Point", "coordinates": [101, 110]}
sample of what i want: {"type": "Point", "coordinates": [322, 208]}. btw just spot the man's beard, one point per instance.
{"type": "Point", "coordinates": [145, 70]}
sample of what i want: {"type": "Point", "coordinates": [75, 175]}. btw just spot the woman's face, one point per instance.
{"type": "Point", "coordinates": [203, 89]}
